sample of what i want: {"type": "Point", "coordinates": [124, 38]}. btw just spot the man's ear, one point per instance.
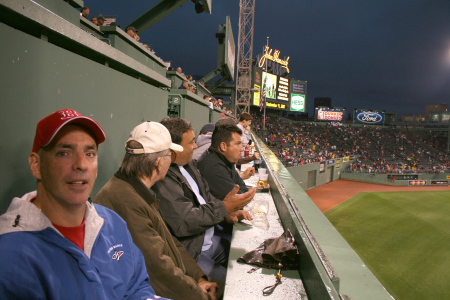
{"type": "Point", "coordinates": [223, 147]}
{"type": "Point", "coordinates": [34, 160]}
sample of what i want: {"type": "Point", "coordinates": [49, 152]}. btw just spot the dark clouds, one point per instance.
{"type": "Point", "coordinates": [386, 54]}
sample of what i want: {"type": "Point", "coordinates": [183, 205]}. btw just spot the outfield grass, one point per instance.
{"type": "Point", "coordinates": [404, 239]}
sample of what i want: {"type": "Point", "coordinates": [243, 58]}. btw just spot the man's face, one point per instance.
{"type": "Point", "coordinates": [68, 171]}
{"type": "Point", "coordinates": [85, 12]}
{"type": "Point", "coordinates": [100, 22]}
{"type": "Point", "coordinates": [233, 150]}
{"type": "Point", "coordinates": [131, 33]}
{"type": "Point", "coordinates": [188, 143]}
{"type": "Point", "coordinates": [94, 20]}
{"type": "Point", "coordinates": [179, 70]}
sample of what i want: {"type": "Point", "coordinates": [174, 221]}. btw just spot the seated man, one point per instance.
{"type": "Point", "coordinates": [85, 12]}
{"type": "Point", "coordinates": [189, 209]}
{"type": "Point", "coordinates": [58, 245]}
{"type": "Point", "coordinates": [217, 164]}
{"type": "Point", "coordinates": [131, 31]}
{"type": "Point", "coordinates": [94, 20]}
{"type": "Point", "coordinates": [242, 160]}
{"type": "Point", "coordinates": [100, 21]}
{"type": "Point", "coordinates": [173, 273]}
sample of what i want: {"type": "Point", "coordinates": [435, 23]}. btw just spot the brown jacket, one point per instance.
{"type": "Point", "coordinates": [173, 273]}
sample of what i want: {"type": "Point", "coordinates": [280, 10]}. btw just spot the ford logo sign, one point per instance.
{"type": "Point", "coordinates": [369, 118]}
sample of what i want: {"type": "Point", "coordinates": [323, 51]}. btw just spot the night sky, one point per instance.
{"type": "Point", "coordinates": [391, 55]}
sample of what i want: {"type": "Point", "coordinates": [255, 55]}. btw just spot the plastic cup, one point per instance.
{"type": "Point", "coordinates": [264, 178]}
{"type": "Point", "coordinates": [262, 171]}
{"type": "Point", "coordinates": [259, 211]}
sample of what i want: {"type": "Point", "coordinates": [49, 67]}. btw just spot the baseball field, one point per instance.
{"type": "Point", "coordinates": [403, 237]}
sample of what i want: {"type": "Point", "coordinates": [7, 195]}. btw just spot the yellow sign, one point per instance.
{"type": "Point", "coordinates": [345, 159]}
{"type": "Point", "coordinates": [276, 105]}
{"type": "Point", "coordinates": [275, 58]}
{"type": "Point", "coordinates": [448, 177]}
{"type": "Point", "coordinates": [256, 95]}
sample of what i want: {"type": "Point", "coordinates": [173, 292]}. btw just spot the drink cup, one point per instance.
{"type": "Point", "coordinates": [259, 211]}
{"type": "Point", "coordinates": [264, 178]}
{"type": "Point", "coordinates": [262, 171]}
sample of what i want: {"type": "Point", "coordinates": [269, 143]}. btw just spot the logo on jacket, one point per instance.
{"type": "Point", "coordinates": [116, 254]}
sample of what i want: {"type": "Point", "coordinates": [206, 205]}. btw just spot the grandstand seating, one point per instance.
{"type": "Point", "coordinates": [379, 149]}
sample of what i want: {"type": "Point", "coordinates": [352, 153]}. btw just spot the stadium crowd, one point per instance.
{"type": "Point", "coordinates": [377, 150]}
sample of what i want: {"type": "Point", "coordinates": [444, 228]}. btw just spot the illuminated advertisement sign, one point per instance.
{"type": "Point", "coordinates": [369, 117]}
{"type": "Point", "coordinates": [297, 102]}
{"type": "Point", "coordinates": [275, 58]}
{"type": "Point", "coordinates": [275, 105]}
{"type": "Point", "coordinates": [271, 85]}
{"type": "Point", "coordinates": [258, 77]}
{"type": "Point", "coordinates": [298, 88]}
{"type": "Point", "coordinates": [328, 114]}
{"type": "Point", "coordinates": [257, 95]}
{"type": "Point", "coordinates": [283, 89]}
{"type": "Point", "coordinates": [417, 182]}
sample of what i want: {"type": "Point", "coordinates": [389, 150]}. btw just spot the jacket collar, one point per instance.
{"type": "Point", "coordinates": [147, 194]}
{"type": "Point", "coordinates": [221, 156]}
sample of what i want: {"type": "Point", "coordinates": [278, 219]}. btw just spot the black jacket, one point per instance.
{"type": "Point", "coordinates": [180, 209]}
{"type": "Point", "coordinates": [220, 173]}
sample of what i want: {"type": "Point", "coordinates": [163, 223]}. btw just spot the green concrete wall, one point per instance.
{"type": "Point", "coordinates": [197, 114]}
{"type": "Point", "coordinates": [300, 173]}
{"type": "Point", "coordinates": [38, 78]}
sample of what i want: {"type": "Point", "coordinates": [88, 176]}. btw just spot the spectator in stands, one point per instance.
{"type": "Point", "coordinates": [217, 164]}
{"type": "Point", "coordinates": [188, 84]}
{"type": "Point", "coordinates": [244, 124]}
{"type": "Point", "coordinates": [173, 272]}
{"type": "Point", "coordinates": [85, 12]}
{"type": "Point", "coordinates": [100, 21]}
{"type": "Point", "coordinates": [208, 99]}
{"type": "Point", "coordinates": [179, 71]}
{"type": "Point", "coordinates": [203, 140]}
{"type": "Point", "coordinates": [189, 209]}
{"type": "Point", "coordinates": [59, 245]}
{"type": "Point", "coordinates": [94, 20]}
{"type": "Point", "coordinates": [131, 31]}
{"type": "Point", "coordinates": [242, 160]}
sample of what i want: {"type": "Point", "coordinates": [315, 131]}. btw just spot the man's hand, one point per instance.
{"type": "Point", "coordinates": [248, 173]}
{"type": "Point", "coordinates": [238, 216]}
{"type": "Point", "coordinates": [208, 287]}
{"type": "Point", "coordinates": [234, 202]}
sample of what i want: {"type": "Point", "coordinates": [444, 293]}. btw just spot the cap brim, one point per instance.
{"type": "Point", "coordinates": [176, 147]}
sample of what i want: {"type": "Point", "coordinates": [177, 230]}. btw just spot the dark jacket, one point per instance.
{"type": "Point", "coordinates": [180, 209]}
{"type": "Point", "coordinates": [173, 273]}
{"type": "Point", "coordinates": [220, 173]}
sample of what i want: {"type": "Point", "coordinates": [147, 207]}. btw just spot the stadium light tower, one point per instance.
{"type": "Point", "coordinates": [245, 57]}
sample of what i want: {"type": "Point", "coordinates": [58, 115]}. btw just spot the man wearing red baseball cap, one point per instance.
{"type": "Point", "coordinates": [57, 244]}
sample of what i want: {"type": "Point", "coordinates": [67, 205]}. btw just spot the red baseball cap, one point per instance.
{"type": "Point", "coordinates": [48, 127]}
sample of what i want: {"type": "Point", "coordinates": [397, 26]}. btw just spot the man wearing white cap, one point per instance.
{"type": "Point", "coordinates": [58, 245]}
{"type": "Point", "coordinates": [173, 273]}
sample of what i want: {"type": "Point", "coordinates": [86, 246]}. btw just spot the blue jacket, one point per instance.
{"type": "Point", "coordinates": [39, 263]}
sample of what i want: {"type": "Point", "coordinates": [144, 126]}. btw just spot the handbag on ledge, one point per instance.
{"type": "Point", "coordinates": [274, 253]}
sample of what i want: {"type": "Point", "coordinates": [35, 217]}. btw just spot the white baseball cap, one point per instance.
{"type": "Point", "coordinates": [154, 137]}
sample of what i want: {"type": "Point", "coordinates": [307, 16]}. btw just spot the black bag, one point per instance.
{"type": "Point", "coordinates": [274, 251]}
